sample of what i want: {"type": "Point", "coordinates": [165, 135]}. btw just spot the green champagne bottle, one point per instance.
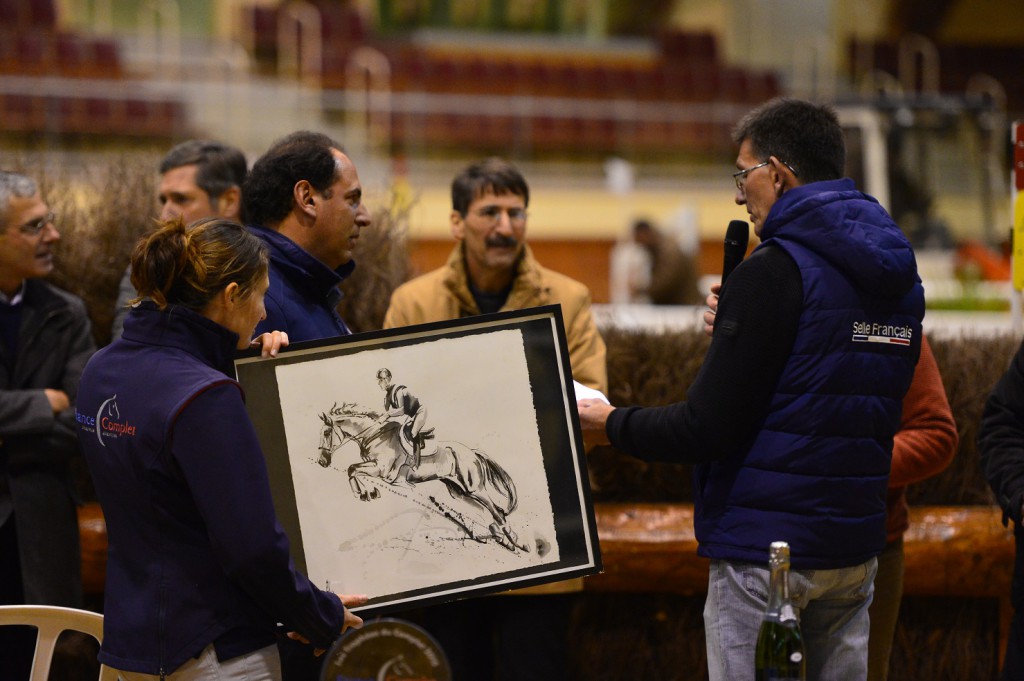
{"type": "Point", "coordinates": [780, 648]}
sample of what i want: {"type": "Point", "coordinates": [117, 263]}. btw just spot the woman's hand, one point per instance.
{"type": "Point", "coordinates": [296, 636]}
{"type": "Point", "coordinates": [352, 620]}
{"type": "Point", "coordinates": [270, 342]}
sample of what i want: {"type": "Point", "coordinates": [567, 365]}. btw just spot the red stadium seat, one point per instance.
{"type": "Point", "coordinates": [41, 14]}
{"type": "Point", "coordinates": [105, 58]}
{"type": "Point", "coordinates": [22, 113]}
{"type": "Point", "coordinates": [33, 52]}
{"type": "Point", "coordinates": [99, 116]}
{"type": "Point", "coordinates": [10, 14]}
{"type": "Point", "coordinates": [71, 56]}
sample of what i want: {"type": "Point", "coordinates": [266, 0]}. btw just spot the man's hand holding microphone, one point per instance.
{"type": "Point", "coordinates": [593, 412]}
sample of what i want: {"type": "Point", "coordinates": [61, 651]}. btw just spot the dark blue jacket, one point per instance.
{"type": "Point", "coordinates": [196, 553]}
{"type": "Point", "coordinates": [303, 296]}
{"type": "Point", "coordinates": [815, 473]}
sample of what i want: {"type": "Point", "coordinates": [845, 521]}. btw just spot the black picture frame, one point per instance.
{"type": "Point", "coordinates": [499, 397]}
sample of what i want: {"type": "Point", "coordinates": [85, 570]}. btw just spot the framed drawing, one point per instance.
{"type": "Point", "coordinates": [431, 462]}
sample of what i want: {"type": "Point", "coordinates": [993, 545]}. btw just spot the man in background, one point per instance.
{"type": "Point", "coordinates": [198, 179]}
{"type": "Point", "coordinates": [521, 636]}
{"type": "Point", "coordinates": [672, 277]}
{"type": "Point", "coordinates": [303, 198]}
{"type": "Point", "coordinates": [1001, 446]}
{"type": "Point", "coordinates": [492, 269]}
{"type": "Point", "coordinates": [45, 342]}
{"type": "Point", "coordinates": [923, 447]}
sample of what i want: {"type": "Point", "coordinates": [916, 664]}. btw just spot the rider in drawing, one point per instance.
{"type": "Point", "coordinates": [399, 402]}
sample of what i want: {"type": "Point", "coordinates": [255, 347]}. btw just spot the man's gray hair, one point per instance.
{"type": "Point", "coordinates": [14, 185]}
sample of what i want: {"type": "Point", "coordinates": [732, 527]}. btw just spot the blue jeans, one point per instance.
{"type": "Point", "coordinates": [833, 611]}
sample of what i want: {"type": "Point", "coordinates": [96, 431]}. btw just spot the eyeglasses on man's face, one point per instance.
{"type": "Point", "coordinates": [740, 177]}
{"type": "Point", "coordinates": [34, 227]}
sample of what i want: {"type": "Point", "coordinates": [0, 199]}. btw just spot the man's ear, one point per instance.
{"type": "Point", "coordinates": [782, 177]}
{"type": "Point", "coordinates": [304, 198]}
{"type": "Point", "coordinates": [458, 224]}
{"type": "Point", "coordinates": [229, 203]}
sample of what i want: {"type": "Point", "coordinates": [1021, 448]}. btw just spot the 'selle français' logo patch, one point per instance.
{"type": "Point", "coordinates": [873, 332]}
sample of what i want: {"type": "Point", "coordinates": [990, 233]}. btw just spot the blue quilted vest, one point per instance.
{"type": "Point", "coordinates": [815, 474]}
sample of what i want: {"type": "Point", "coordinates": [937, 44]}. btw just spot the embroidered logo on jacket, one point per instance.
{"type": "Point", "coordinates": [108, 418]}
{"type": "Point", "coordinates": [872, 332]}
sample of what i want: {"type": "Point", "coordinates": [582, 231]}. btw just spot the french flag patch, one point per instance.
{"type": "Point", "coordinates": [880, 339]}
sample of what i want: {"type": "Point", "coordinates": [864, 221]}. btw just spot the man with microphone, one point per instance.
{"type": "Point", "coordinates": [791, 418]}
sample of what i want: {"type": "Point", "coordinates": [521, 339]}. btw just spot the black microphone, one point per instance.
{"type": "Point", "coordinates": [736, 237]}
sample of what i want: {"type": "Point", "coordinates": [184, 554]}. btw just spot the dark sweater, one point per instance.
{"type": "Point", "coordinates": [754, 332]}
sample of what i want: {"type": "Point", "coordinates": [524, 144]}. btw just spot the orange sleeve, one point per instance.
{"type": "Point", "coordinates": [927, 439]}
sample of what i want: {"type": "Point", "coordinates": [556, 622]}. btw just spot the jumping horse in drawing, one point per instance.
{"type": "Point", "coordinates": [385, 454]}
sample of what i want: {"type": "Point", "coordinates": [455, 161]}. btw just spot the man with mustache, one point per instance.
{"type": "Point", "coordinates": [45, 341]}
{"type": "Point", "coordinates": [492, 269]}
{"type": "Point", "coordinates": [304, 199]}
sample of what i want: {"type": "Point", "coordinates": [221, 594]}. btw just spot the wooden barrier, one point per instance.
{"type": "Point", "coordinates": [92, 532]}
{"type": "Point", "coordinates": [950, 551]}
{"type": "Point", "coordinates": [961, 551]}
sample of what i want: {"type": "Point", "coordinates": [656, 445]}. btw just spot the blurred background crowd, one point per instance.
{"type": "Point", "coordinates": [618, 111]}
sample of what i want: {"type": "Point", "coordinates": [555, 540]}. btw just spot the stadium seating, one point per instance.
{"type": "Point", "coordinates": [32, 46]}
{"type": "Point", "coordinates": [580, 101]}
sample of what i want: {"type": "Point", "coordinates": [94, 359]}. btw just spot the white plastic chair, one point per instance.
{"type": "Point", "coordinates": [51, 620]}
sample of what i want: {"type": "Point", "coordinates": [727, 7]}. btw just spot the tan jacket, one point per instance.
{"type": "Point", "coordinates": [444, 294]}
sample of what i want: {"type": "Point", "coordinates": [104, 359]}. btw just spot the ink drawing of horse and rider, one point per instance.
{"type": "Point", "coordinates": [397, 449]}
